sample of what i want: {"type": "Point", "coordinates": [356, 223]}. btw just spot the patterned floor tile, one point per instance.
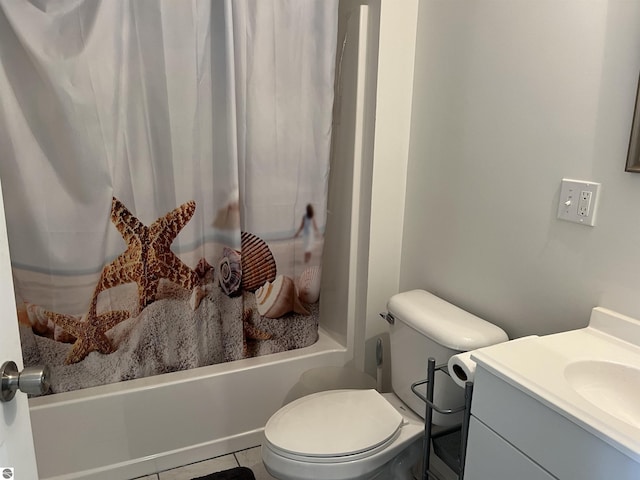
{"type": "Point", "coordinates": [200, 469]}
{"type": "Point", "coordinates": [253, 459]}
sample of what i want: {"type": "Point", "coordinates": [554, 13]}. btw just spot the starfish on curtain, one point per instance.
{"type": "Point", "coordinates": [89, 333]}
{"type": "Point", "coordinates": [148, 257]}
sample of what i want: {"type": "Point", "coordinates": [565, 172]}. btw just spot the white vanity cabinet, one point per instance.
{"type": "Point", "coordinates": [513, 436]}
{"type": "Point", "coordinates": [492, 457]}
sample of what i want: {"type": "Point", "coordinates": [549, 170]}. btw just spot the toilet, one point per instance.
{"type": "Point", "coordinates": [362, 434]}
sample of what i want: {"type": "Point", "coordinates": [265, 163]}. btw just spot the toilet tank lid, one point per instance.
{"type": "Point", "coordinates": [442, 322]}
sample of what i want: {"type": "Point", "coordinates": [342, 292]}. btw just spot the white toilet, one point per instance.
{"type": "Point", "coordinates": [362, 434]}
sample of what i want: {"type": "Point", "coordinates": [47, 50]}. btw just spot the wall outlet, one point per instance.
{"type": "Point", "coordinates": [584, 204]}
{"type": "Point", "coordinates": [578, 201]}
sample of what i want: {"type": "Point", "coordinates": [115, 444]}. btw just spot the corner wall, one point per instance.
{"type": "Point", "coordinates": [349, 203]}
{"type": "Point", "coordinates": [396, 52]}
{"type": "Point", "coordinates": [509, 98]}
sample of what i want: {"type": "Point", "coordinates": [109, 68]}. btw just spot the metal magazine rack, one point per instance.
{"type": "Point", "coordinates": [440, 439]}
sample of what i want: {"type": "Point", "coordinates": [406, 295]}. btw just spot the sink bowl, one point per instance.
{"type": "Point", "coordinates": [612, 387]}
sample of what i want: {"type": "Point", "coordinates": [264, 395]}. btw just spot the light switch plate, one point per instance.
{"type": "Point", "coordinates": [578, 201]}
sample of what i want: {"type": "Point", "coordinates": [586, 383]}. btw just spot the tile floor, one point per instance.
{"type": "Point", "coordinates": [245, 458]}
{"type": "Point", "coordinates": [249, 458]}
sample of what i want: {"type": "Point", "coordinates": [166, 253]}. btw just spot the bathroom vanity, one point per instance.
{"type": "Point", "coordinates": [564, 406]}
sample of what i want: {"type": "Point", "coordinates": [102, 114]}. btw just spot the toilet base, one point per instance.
{"type": "Point", "coordinates": [401, 467]}
{"type": "Point", "coordinates": [398, 468]}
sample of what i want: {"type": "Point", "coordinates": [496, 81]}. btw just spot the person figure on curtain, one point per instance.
{"type": "Point", "coordinates": [308, 221]}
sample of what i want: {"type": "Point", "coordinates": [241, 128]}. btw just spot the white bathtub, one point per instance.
{"type": "Point", "coordinates": [139, 427]}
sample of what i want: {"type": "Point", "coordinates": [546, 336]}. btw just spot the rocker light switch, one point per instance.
{"type": "Point", "coordinates": [578, 201]}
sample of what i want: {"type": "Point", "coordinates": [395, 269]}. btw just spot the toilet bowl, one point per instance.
{"type": "Point", "coordinates": [343, 435]}
{"type": "Point", "coordinates": [362, 434]}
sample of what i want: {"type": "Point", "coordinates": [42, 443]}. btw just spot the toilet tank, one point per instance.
{"type": "Point", "coordinates": [428, 326]}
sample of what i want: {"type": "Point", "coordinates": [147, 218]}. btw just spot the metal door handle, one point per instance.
{"type": "Point", "coordinates": [33, 380]}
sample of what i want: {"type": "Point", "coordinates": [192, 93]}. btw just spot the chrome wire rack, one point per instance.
{"type": "Point", "coordinates": [456, 463]}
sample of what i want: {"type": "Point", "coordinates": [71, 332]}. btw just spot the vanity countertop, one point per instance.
{"type": "Point", "coordinates": [590, 376]}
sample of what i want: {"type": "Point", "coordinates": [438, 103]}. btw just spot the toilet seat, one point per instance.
{"type": "Point", "coordinates": [333, 426]}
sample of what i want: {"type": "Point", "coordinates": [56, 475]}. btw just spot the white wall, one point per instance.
{"type": "Point", "coordinates": [508, 98]}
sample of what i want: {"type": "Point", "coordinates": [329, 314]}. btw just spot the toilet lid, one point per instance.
{"type": "Point", "coordinates": [333, 423]}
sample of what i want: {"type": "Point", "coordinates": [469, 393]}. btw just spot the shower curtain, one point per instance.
{"type": "Point", "coordinates": [164, 167]}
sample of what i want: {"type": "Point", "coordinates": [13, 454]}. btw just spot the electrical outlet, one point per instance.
{"type": "Point", "coordinates": [584, 204]}
{"type": "Point", "coordinates": [578, 201]}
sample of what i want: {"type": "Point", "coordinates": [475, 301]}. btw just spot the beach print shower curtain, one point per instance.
{"type": "Point", "coordinates": [164, 167]}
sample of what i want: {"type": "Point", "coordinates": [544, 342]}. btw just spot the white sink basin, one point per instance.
{"type": "Point", "coordinates": [611, 387]}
